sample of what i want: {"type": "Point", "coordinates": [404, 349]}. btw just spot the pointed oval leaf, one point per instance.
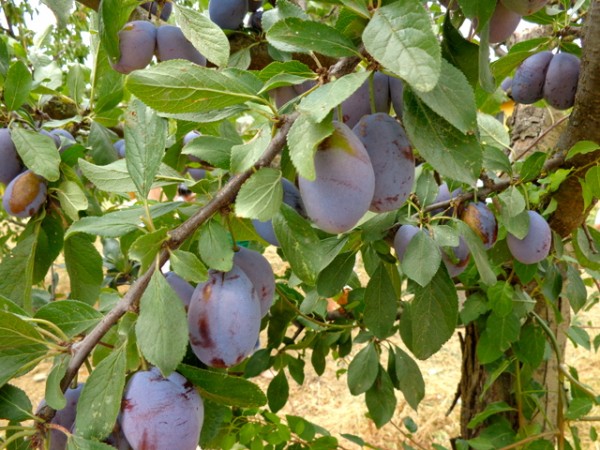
{"type": "Point", "coordinates": [260, 196]}
{"type": "Point", "coordinates": [363, 370]}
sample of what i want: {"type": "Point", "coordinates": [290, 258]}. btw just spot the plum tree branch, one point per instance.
{"type": "Point", "coordinates": [224, 197]}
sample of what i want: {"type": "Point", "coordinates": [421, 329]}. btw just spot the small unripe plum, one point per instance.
{"type": "Point", "coordinates": [165, 13]}
{"type": "Point", "coordinates": [535, 246]}
{"type": "Point", "coordinates": [524, 7]}
{"type": "Point", "coordinates": [260, 272]}
{"type": "Point", "coordinates": [359, 103]}
{"type": "Point", "coordinates": [228, 14]}
{"type": "Point", "coordinates": [503, 23]}
{"type": "Point", "coordinates": [562, 79]}
{"type": "Point", "coordinates": [172, 44]}
{"type": "Point", "coordinates": [392, 158]}
{"type": "Point", "coordinates": [482, 221]}
{"type": "Point", "coordinates": [25, 195]}
{"type": "Point", "coordinates": [11, 165]}
{"type": "Point", "coordinates": [161, 413]}
{"type": "Point", "coordinates": [396, 95]}
{"type": "Point", "coordinates": [342, 191]}
{"type": "Point", "coordinates": [456, 258]}
{"type": "Point", "coordinates": [291, 197]}
{"type": "Point", "coordinates": [182, 288]}
{"type": "Point", "coordinates": [64, 417]}
{"type": "Point", "coordinates": [137, 41]}
{"type": "Point", "coordinates": [224, 318]}
{"type": "Point", "coordinates": [528, 82]}
{"type": "Point", "coordinates": [119, 147]}
{"type": "Point", "coordinates": [402, 238]}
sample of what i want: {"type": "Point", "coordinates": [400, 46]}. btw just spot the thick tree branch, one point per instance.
{"type": "Point", "coordinates": [584, 124]}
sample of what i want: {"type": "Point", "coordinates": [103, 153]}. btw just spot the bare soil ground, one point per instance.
{"type": "Point", "coordinates": [326, 401]}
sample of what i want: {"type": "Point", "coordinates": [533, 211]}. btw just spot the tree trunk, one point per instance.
{"type": "Point", "coordinates": [583, 124]}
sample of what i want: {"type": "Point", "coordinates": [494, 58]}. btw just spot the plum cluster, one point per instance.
{"type": "Point", "coordinates": [225, 312]}
{"type": "Point", "coordinates": [544, 75]}
{"type": "Point", "coordinates": [25, 191]}
{"type": "Point", "coordinates": [141, 40]}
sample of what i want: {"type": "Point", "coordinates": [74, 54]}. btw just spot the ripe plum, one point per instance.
{"type": "Point", "coordinates": [535, 246]}
{"type": "Point", "coordinates": [392, 158]}
{"type": "Point", "coordinates": [228, 14]}
{"type": "Point", "coordinates": [524, 7]}
{"type": "Point", "coordinates": [63, 138]}
{"type": "Point", "coordinates": [456, 258]}
{"type": "Point", "coordinates": [359, 104]}
{"type": "Point", "coordinates": [224, 318]}
{"type": "Point", "coordinates": [561, 82]}
{"type": "Point", "coordinates": [161, 413]}
{"type": "Point", "coordinates": [64, 417]}
{"type": "Point", "coordinates": [260, 272]}
{"type": "Point", "coordinates": [119, 147]}
{"type": "Point", "coordinates": [482, 221]}
{"type": "Point", "coordinates": [11, 164]}
{"type": "Point", "coordinates": [25, 195]}
{"type": "Point", "coordinates": [344, 185]}
{"type": "Point", "coordinates": [172, 44]}
{"type": "Point", "coordinates": [402, 238]}
{"type": "Point", "coordinates": [503, 23]}
{"type": "Point", "coordinates": [165, 13]}
{"type": "Point", "coordinates": [528, 82]}
{"type": "Point", "coordinates": [137, 41]}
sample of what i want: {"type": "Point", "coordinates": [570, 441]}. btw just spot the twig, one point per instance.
{"type": "Point", "coordinates": [590, 239]}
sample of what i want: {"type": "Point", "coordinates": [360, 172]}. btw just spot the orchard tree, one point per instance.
{"type": "Point", "coordinates": [451, 157]}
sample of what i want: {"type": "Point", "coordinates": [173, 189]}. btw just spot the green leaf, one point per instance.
{"type": "Point", "coordinates": [490, 410]}
{"type": "Point", "coordinates": [500, 297]}
{"type": "Point", "coordinates": [215, 150]}
{"type": "Point", "coordinates": [478, 252]}
{"type": "Point", "coordinates": [38, 152]}
{"type": "Point", "coordinates": [161, 328]}
{"type": "Point", "coordinates": [75, 442]}
{"type": "Point", "coordinates": [581, 148]}
{"type": "Point", "coordinates": [513, 202]}
{"type": "Point", "coordinates": [400, 36]}
{"type": "Point", "coordinates": [429, 320]}
{"type": "Point", "coordinates": [305, 36]}
{"type": "Point", "coordinates": [381, 303]}
{"type": "Point", "coordinates": [363, 370]}
{"type": "Point", "coordinates": [278, 391]}
{"type": "Point", "coordinates": [452, 98]}
{"type": "Point", "coordinates": [381, 399]}
{"type": "Point", "coordinates": [188, 266]}
{"type": "Point", "coordinates": [486, 79]}
{"type": "Point", "coordinates": [84, 265]}
{"type": "Point", "coordinates": [206, 36]}
{"type": "Point", "coordinates": [54, 396]}
{"type": "Point", "coordinates": [460, 52]}
{"type": "Point", "coordinates": [145, 248]}
{"type": "Point", "coordinates": [505, 330]}
{"type": "Point", "coordinates": [118, 223]}
{"type": "Point", "coordinates": [335, 276]}
{"type": "Point", "coordinates": [179, 86]}
{"type": "Point", "coordinates": [492, 132]}
{"type": "Point", "coordinates": [16, 272]}
{"type": "Point", "coordinates": [303, 139]}
{"type": "Point", "coordinates": [531, 346]}
{"type": "Point", "coordinates": [592, 180]}
{"type": "Point", "coordinates": [76, 80]}
{"type": "Point", "coordinates": [453, 154]}
{"type": "Point", "coordinates": [145, 140]}
{"type": "Point", "coordinates": [215, 246]}
{"type": "Point", "coordinates": [224, 389]}
{"type": "Point", "coordinates": [299, 243]}
{"type": "Point", "coordinates": [410, 378]}
{"type": "Point", "coordinates": [532, 167]}
{"type": "Point", "coordinates": [72, 199]}
{"type": "Point", "coordinates": [244, 156]}
{"type": "Point", "coordinates": [100, 399]}
{"type": "Point", "coordinates": [71, 316]}
{"type": "Point", "coordinates": [115, 177]}
{"type": "Point", "coordinates": [587, 254]}
{"type": "Point", "coordinates": [319, 103]}
{"type": "Point", "coordinates": [421, 259]}
{"type": "Point", "coordinates": [17, 86]}
{"type": "Point", "coordinates": [574, 289]}
{"type": "Point", "coordinates": [113, 15]}
{"type": "Point", "coordinates": [260, 196]}
{"type": "Point", "coordinates": [579, 407]}
{"type": "Point", "coordinates": [20, 344]}
{"type": "Point", "coordinates": [481, 9]}
{"type": "Point", "coordinates": [14, 404]}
